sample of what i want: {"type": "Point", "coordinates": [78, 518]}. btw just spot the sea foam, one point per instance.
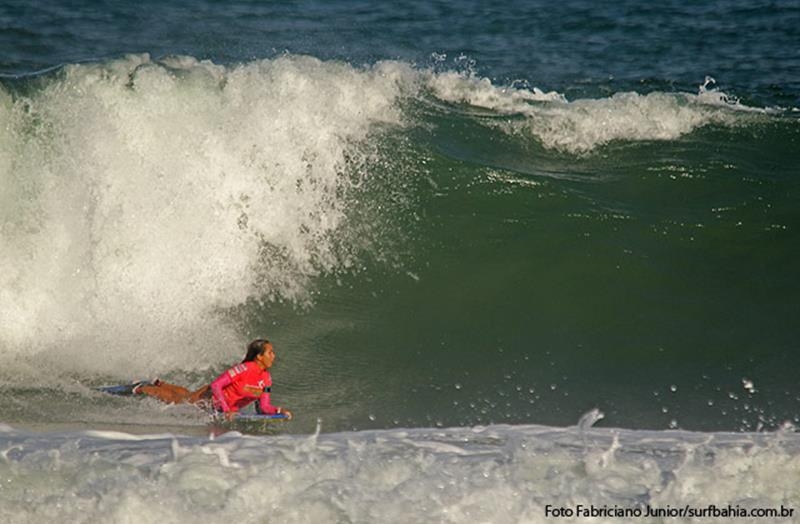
{"type": "Point", "coordinates": [500, 474]}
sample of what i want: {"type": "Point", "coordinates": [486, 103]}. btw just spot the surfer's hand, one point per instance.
{"type": "Point", "coordinates": [230, 415]}
{"type": "Point", "coordinates": [286, 412]}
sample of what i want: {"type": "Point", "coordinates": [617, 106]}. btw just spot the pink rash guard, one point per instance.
{"type": "Point", "coordinates": [241, 385]}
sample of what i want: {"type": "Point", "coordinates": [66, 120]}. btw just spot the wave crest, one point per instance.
{"type": "Point", "coordinates": [582, 125]}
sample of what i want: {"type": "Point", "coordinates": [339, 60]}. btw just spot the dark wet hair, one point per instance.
{"type": "Point", "coordinates": [255, 348]}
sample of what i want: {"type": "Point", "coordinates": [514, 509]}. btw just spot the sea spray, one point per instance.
{"type": "Point", "coordinates": [144, 197]}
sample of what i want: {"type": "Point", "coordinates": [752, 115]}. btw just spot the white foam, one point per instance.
{"type": "Point", "coordinates": [494, 474]}
{"type": "Point", "coordinates": [580, 126]}
{"type": "Point", "coordinates": [141, 198]}
{"type": "Point", "coordinates": [480, 92]}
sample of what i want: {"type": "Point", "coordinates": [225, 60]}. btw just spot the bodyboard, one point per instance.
{"type": "Point", "coordinates": [256, 417]}
{"type": "Point", "coordinates": [124, 390]}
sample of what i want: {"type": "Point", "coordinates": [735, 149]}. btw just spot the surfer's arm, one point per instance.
{"type": "Point", "coordinates": [265, 406]}
{"type": "Point", "coordinates": [217, 386]}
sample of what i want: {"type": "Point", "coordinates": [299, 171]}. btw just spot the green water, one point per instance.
{"type": "Point", "coordinates": [535, 286]}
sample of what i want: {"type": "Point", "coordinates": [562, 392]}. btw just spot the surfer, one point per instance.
{"type": "Point", "coordinates": [234, 389]}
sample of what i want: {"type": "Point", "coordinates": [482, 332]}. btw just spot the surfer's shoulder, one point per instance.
{"type": "Point", "coordinates": [240, 368]}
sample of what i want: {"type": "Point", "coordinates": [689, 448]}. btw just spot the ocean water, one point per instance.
{"type": "Point", "coordinates": [464, 226]}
